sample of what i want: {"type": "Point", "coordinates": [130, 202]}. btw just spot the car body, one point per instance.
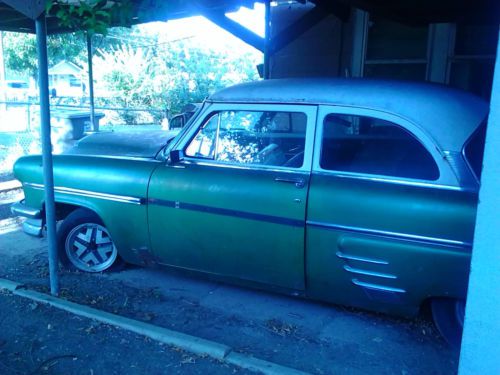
{"type": "Point", "coordinates": [15, 90]}
{"type": "Point", "coordinates": [354, 192]}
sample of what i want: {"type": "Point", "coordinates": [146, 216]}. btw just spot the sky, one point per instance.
{"type": "Point", "coordinates": [207, 33]}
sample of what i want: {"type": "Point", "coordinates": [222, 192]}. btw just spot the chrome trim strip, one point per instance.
{"type": "Point", "coordinates": [250, 167]}
{"type": "Point", "coordinates": [377, 287]}
{"type": "Point", "coordinates": [227, 212]}
{"type": "Point", "coordinates": [342, 255]}
{"type": "Point", "coordinates": [387, 180]}
{"type": "Point", "coordinates": [123, 157]}
{"type": "Point", "coordinates": [369, 273]}
{"type": "Point", "coordinates": [91, 194]}
{"type": "Point", "coordinates": [393, 235]}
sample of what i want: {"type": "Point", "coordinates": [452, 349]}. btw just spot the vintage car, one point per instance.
{"type": "Point", "coordinates": [354, 192]}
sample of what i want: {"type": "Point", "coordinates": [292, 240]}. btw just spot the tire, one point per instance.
{"type": "Point", "coordinates": [448, 315]}
{"type": "Point", "coordinates": [84, 244]}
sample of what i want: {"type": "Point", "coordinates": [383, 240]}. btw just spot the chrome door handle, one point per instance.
{"type": "Point", "coordinates": [299, 182]}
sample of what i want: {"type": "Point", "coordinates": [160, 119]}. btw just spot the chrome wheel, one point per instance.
{"type": "Point", "coordinates": [89, 248]}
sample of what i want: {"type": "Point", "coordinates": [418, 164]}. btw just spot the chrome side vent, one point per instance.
{"type": "Point", "coordinates": [369, 273]}
{"type": "Point", "coordinates": [345, 256]}
{"type": "Point", "coordinates": [363, 277]}
{"type": "Point", "coordinates": [381, 288]}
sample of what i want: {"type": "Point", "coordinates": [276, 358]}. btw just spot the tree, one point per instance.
{"type": "Point", "coordinates": [21, 57]}
{"type": "Point", "coordinates": [168, 78]}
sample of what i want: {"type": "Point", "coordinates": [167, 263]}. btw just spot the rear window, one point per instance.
{"type": "Point", "coordinates": [474, 150]}
{"type": "Point", "coordinates": [369, 145]}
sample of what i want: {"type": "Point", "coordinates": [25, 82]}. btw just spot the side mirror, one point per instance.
{"type": "Point", "coordinates": [176, 156]}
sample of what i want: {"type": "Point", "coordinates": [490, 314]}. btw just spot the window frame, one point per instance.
{"type": "Point", "coordinates": [310, 111]}
{"type": "Point", "coordinates": [446, 178]}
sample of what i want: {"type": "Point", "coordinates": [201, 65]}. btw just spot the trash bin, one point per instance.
{"type": "Point", "coordinates": [68, 126]}
{"type": "Point", "coordinates": [72, 125]}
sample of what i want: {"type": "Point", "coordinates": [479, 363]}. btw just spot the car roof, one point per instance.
{"type": "Point", "coordinates": [448, 115]}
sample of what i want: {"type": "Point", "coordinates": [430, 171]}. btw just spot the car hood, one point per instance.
{"type": "Point", "coordinates": [145, 144]}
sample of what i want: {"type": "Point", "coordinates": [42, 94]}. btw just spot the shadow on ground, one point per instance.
{"type": "Point", "coordinates": [312, 337]}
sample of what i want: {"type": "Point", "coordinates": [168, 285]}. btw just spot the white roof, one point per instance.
{"type": "Point", "coordinates": [66, 68]}
{"type": "Point", "coordinates": [449, 116]}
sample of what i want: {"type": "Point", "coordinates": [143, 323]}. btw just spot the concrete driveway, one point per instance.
{"type": "Point", "coordinates": [304, 335]}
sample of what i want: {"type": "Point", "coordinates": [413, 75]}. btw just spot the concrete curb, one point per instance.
{"type": "Point", "coordinates": [259, 365]}
{"type": "Point", "coordinates": [189, 343]}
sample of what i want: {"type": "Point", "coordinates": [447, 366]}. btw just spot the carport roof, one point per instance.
{"type": "Point", "coordinates": [142, 11]}
{"type": "Point", "coordinates": [410, 11]}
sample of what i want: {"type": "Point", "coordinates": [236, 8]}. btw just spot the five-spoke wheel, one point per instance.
{"type": "Point", "coordinates": [85, 244]}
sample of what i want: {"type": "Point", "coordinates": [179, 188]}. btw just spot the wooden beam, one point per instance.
{"type": "Point", "coordinates": [30, 8]}
{"type": "Point", "coordinates": [241, 32]}
{"type": "Point", "coordinates": [321, 10]}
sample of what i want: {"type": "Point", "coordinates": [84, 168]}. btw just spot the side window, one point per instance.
{"type": "Point", "coordinates": [372, 146]}
{"type": "Point", "coordinates": [474, 150]}
{"type": "Point", "coordinates": [203, 143]}
{"type": "Point", "coordinates": [252, 137]}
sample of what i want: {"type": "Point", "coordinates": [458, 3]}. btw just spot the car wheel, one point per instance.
{"type": "Point", "coordinates": [448, 315]}
{"type": "Point", "coordinates": [84, 243]}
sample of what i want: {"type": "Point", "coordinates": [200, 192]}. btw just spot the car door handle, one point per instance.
{"type": "Point", "coordinates": [299, 182]}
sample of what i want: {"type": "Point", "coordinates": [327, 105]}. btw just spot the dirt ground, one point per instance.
{"type": "Point", "coordinates": [312, 337]}
{"type": "Point", "coordinates": [37, 339]}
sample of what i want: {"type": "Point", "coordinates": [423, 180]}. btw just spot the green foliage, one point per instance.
{"type": "Point", "coordinates": [168, 80]}
{"type": "Point", "coordinates": [92, 16]}
{"type": "Point", "coordinates": [21, 55]}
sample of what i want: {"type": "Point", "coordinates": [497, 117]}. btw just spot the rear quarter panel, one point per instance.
{"type": "Point", "coordinates": [421, 269]}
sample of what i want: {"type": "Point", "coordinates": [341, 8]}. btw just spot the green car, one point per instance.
{"type": "Point", "coordinates": [355, 192]}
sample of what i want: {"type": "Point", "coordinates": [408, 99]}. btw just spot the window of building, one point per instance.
{"type": "Point", "coordinates": [252, 137]}
{"type": "Point", "coordinates": [75, 82]}
{"type": "Point", "coordinates": [368, 145]}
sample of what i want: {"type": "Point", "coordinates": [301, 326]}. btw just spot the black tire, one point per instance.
{"type": "Point", "coordinates": [84, 244]}
{"type": "Point", "coordinates": [448, 315]}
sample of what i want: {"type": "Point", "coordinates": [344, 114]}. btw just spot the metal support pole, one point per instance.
{"type": "Point", "coordinates": [267, 42]}
{"type": "Point", "coordinates": [91, 83]}
{"type": "Point", "coordinates": [3, 97]}
{"type": "Point", "coordinates": [48, 173]}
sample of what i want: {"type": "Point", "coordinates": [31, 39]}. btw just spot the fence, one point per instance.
{"type": "Point", "coordinates": [20, 125]}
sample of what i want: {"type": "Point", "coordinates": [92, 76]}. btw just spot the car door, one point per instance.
{"type": "Point", "coordinates": [235, 204]}
{"type": "Point", "coordinates": [387, 225]}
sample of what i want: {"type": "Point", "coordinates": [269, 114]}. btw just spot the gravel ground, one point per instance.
{"type": "Point", "coordinates": [6, 200]}
{"type": "Point", "coordinates": [312, 337]}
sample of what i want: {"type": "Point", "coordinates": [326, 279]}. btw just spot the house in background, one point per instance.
{"type": "Point", "coordinates": [67, 79]}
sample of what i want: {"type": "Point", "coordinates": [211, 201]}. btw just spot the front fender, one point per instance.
{"type": "Point", "coordinates": [114, 188]}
